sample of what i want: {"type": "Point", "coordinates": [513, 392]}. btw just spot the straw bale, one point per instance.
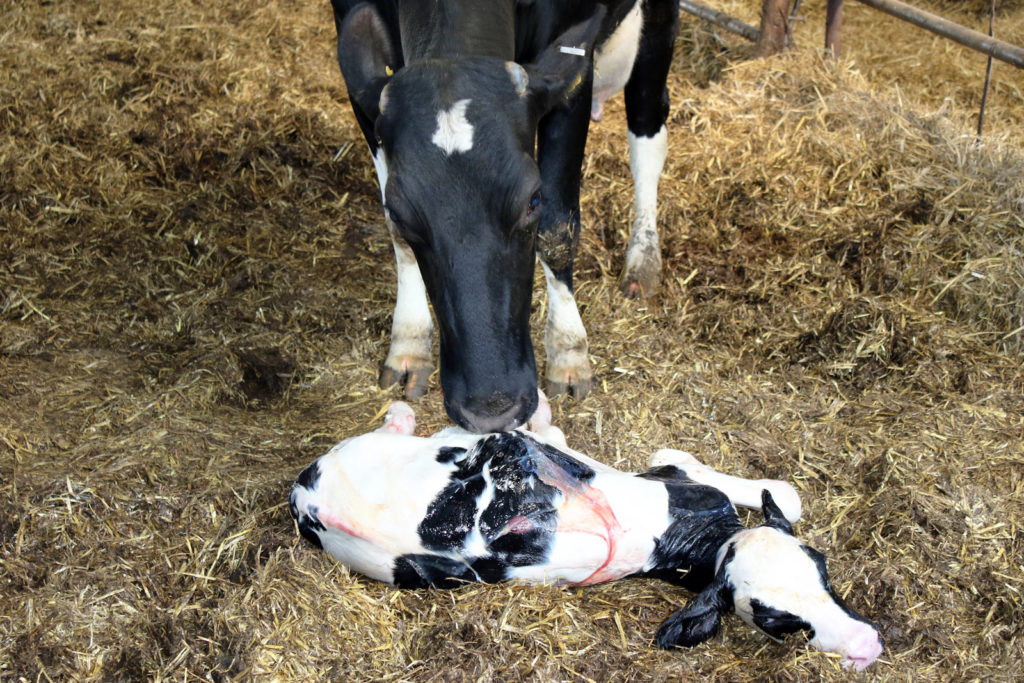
{"type": "Point", "coordinates": [195, 296]}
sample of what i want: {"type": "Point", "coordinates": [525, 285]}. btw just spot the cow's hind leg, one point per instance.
{"type": "Point", "coordinates": [646, 112]}
{"type": "Point", "coordinates": [742, 492]}
{"type": "Point", "coordinates": [561, 138]}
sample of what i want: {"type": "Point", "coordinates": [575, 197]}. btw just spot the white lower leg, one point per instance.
{"type": "Point", "coordinates": [411, 327]}
{"type": "Point", "coordinates": [643, 257]}
{"type": "Point", "coordinates": [565, 338]}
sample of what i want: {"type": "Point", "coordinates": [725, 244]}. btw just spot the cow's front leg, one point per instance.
{"type": "Point", "coordinates": [561, 138]}
{"type": "Point", "coordinates": [646, 112]}
{"type": "Point", "coordinates": [408, 363]}
{"type": "Point", "coordinates": [741, 492]}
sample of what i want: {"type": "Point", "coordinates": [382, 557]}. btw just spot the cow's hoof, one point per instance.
{"type": "Point", "coordinates": [574, 385]}
{"type": "Point", "coordinates": [641, 282]}
{"type": "Point", "coordinates": [413, 378]}
{"type": "Point", "coordinates": [642, 272]}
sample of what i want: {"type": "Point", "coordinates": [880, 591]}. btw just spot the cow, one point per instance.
{"type": "Point", "coordinates": [520, 505]}
{"type": "Point", "coordinates": [476, 115]}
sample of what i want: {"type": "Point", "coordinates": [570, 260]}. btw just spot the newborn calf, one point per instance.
{"type": "Point", "coordinates": [457, 507]}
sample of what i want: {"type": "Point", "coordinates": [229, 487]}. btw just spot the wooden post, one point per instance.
{"type": "Point", "coordinates": [774, 27]}
{"type": "Point", "coordinates": [833, 27]}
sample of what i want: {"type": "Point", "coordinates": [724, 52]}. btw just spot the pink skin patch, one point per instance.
{"type": "Point", "coordinates": [520, 525]}
{"type": "Point", "coordinates": [400, 419]}
{"type": "Point", "coordinates": [586, 511]}
{"type": "Point", "coordinates": [336, 523]}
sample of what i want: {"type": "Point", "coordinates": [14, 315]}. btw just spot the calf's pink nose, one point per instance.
{"type": "Point", "coordinates": [863, 649]}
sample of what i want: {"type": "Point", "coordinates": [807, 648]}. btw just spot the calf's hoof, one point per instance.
{"type": "Point", "coordinates": [412, 376]}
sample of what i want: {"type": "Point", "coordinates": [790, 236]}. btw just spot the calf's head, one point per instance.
{"type": "Point", "coordinates": [455, 138]}
{"type": "Point", "coordinates": [779, 586]}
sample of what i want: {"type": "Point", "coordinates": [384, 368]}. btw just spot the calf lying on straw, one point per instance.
{"type": "Point", "coordinates": [457, 507]}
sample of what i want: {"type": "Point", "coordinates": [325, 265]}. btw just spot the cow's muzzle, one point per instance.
{"type": "Point", "coordinates": [496, 413]}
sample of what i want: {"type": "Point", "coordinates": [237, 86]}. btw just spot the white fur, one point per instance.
{"type": "Point", "coordinates": [790, 582]}
{"type": "Point", "coordinates": [613, 63]}
{"type": "Point", "coordinates": [370, 505]}
{"type": "Point", "coordinates": [411, 325]}
{"type": "Point", "coordinates": [646, 161]}
{"type": "Point", "coordinates": [454, 132]}
{"type": "Point", "coordinates": [380, 163]}
{"type": "Point", "coordinates": [565, 338]}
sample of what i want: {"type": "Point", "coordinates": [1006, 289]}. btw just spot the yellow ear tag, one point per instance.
{"type": "Point", "coordinates": [388, 70]}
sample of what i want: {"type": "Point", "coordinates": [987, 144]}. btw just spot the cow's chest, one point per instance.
{"type": "Point", "coordinates": [614, 61]}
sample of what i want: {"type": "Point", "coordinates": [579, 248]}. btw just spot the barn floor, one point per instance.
{"type": "Point", "coordinates": [195, 293]}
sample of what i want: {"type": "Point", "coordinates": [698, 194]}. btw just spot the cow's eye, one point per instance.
{"type": "Point", "coordinates": [394, 217]}
{"type": "Point", "coordinates": [534, 202]}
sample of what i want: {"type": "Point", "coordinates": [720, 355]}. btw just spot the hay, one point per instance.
{"type": "Point", "coordinates": [194, 298]}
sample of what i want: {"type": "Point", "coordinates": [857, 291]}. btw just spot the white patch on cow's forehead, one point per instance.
{"type": "Point", "coordinates": [454, 132]}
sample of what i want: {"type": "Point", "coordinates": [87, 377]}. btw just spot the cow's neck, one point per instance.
{"type": "Point", "coordinates": [688, 550]}
{"type": "Point", "coordinates": [447, 29]}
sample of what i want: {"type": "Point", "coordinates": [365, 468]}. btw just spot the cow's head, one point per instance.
{"type": "Point", "coordinates": [779, 586]}
{"type": "Point", "coordinates": [456, 137]}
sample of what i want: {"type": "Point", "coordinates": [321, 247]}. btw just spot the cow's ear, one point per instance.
{"type": "Point", "coordinates": [701, 618]}
{"type": "Point", "coordinates": [366, 57]}
{"type": "Point", "coordinates": [773, 516]}
{"type": "Point", "coordinates": [561, 68]}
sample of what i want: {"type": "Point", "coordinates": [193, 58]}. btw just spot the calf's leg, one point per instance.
{"type": "Point", "coordinates": [742, 492]}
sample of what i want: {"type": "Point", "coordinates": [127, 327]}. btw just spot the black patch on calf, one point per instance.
{"type": "Point", "coordinates": [574, 468]}
{"type": "Point", "coordinates": [514, 465]}
{"type": "Point", "coordinates": [452, 513]}
{"type": "Point", "coordinates": [309, 524]}
{"type": "Point", "coordinates": [424, 570]}
{"type": "Point", "coordinates": [702, 520]}
{"type": "Point", "coordinates": [701, 618]}
{"type": "Point", "coordinates": [309, 477]}
{"type": "Point", "coordinates": [447, 454]}
{"type": "Point", "coordinates": [775, 622]}
{"type": "Point", "coordinates": [666, 473]}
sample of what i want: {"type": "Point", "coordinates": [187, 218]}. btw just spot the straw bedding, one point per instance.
{"type": "Point", "coordinates": [195, 294]}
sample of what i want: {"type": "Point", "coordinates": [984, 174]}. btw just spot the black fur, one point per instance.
{"type": "Point", "coordinates": [775, 622]}
{"type": "Point", "coordinates": [702, 518]}
{"type": "Point", "coordinates": [701, 619]}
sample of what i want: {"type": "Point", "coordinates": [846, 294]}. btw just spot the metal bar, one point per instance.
{"type": "Point", "coordinates": [1000, 49]}
{"type": "Point", "coordinates": [720, 19]}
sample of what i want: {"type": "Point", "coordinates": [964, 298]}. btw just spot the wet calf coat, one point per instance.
{"type": "Point", "coordinates": [459, 507]}
{"type": "Point", "coordinates": [476, 117]}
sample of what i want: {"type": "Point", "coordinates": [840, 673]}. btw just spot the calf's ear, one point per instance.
{"type": "Point", "coordinates": [366, 56]}
{"type": "Point", "coordinates": [700, 619]}
{"type": "Point", "coordinates": [773, 516]}
{"type": "Point", "coordinates": [562, 67]}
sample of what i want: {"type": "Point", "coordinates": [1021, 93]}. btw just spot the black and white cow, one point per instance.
{"type": "Point", "coordinates": [476, 114]}
{"type": "Point", "coordinates": [460, 507]}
